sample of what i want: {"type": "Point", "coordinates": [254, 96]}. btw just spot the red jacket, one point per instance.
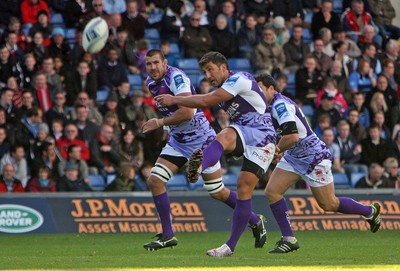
{"type": "Point", "coordinates": [338, 100]}
{"type": "Point", "coordinates": [34, 186]}
{"type": "Point", "coordinates": [17, 186]}
{"type": "Point", "coordinates": [350, 24]}
{"type": "Point", "coordinates": [29, 12]}
{"type": "Point", "coordinates": [64, 143]}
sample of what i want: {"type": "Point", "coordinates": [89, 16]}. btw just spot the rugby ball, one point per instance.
{"type": "Point", "coordinates": [95, 35]}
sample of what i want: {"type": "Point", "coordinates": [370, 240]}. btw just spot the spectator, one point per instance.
{"type": "Point", "coordinates": [47, 158]}
{"type": "Point", "coordinates": [61, 69]}
{"type": "Point", "coordinates": [4, 142]}
{"type": "Point", "coordinates": [200, 6]}
{"type": "Point", "coordinates": [42, 183]}
{"type": "Point", "coordinates": [112, 105]}
{"type": "Point", "coordinates": [324, 121]}
{"type": "Point", "coordinates": [15, 25]}
{"type": "Point", "coordinates": [11, 42]}
{"type": "Point", "coordinates": [369, 35]}
{"type": "Point", "coordinates": [223, 40]}
{"type": "Point", "coordinates": [124, 181]}
{"type": "Point", "coordinates": [380, 119]}
{"type": "Point", "coordinates": [29, 69]}
{"type": "Point", "coordinates": [97, 11]}
{"type": "Point", "coordinates": [330, 88]}
{"type": "Point", "coordinates": [44, 92]}
{"type": "Point", "coordinates": [165, 47]}
{"type": "Point", "coordinates": [324, 62]}
{"type": "Point", "coordinates": [58, 110]}
{"type": "Point", "coordinates": [28, 102]}
{"type": "Point", "coordinates": [87, 129]}
{"type": "Point", "coordinates": [71, 138]}
{"type": "Point", "coordinates": [71, 182]}
{"type": "Point", "coordinates": [326, 108]}
{"type": "Point", "coordinates": [111, 119]}
{"type": "Point", "coordinates": [81, 80]}
{"type": "Point", "coordinates": [328, 137]}
{"type": "Point", "coordinates": [281, 32]}
{"type": "Point", "coordinates": [111, 71]}
{"type": "Point", "coordinates": [383, 13]}
{"type": "Point", "coordinates": [324, 18]}
{"type": "Point", "coordinates": [228, 9]}
{"type": "Point", "coordinates": [74, 11]}
{"type": "Point", "coordinates": [340, 55]}
{"type": "Point", "coordinates": [131, 149]}
{"type": "Point", "coordinates": [356, 129]}
{"type": "Point", "coordinates": [93, 113]}
{"type": "Point", "coordinates": [352, 48]}
{"type": "Point", "coordinates": [58, 47]}
{"type": "Point", "coordinates": [17, 96]}
{"type": "Point", "coordinates": [374, 179]}
{"type": "Point", "coordinates": [295, 50]}
{"type": "Point", "coordinates": [74, 157]}
{"type": "Point", "coordinates": [308, 80]}
{"type": "Point", "coordinates": [30, 10]}
{"type": "Point", "coordinates": [57, 127]}
{"type": "Point", "coordinates": [137, 106]}
{"type": "Point", "coordinates": [8, 66]}
{"type": "Point", "coordinates": [12, 113]}
{"type": "Point", "coordinates": [363, 79]}
{"type": "Point", "coordinates": [196, 40]}
{"type": "Point", "coordinates": [378, 104]}
{"type": "Point", "coordinates": [361, 107]}
{"type": "Point", "coordinates": [43, 25]}
{"type": "Point", "coordinates": [291, 11]}
{"type": "Point", "coordinates": [16, 158]}
{"type": "Point", "coordinates": [37, 47]}
{"type": "Point", "coordinates": [171, 23]}
{"type": "Point", "coordinates": [350, 149]}
{"type": "Point", "coordinates": [249, 35]}
{"type": "Point", "coordinates": [43, 133]}
{"type": "Point", "coordinates": [369, 54]}
{"type": "Point", "coordinates": [268, 55]}
{"type": "Point", "coordinates": [134, 22]}
{"type": "Point", "coordinates": [391, 171]}
{"type": "Point", "coordinates": [105, 155]}
{"type": "Point", "coordinates": [8, 182]}
{"type": "Point", "coordinates": [326, 36]}
{"type": "Point", "coordinates": [388, 70]}
{"type": "Point", "coordinates": [142, 176]}
{"type": "Point", "coordinates": [374, 148]}
{"type": "Point", "coordinates": [383, 87]}
{"type": "Point", "coordinates": [26, 131]}
{"type": "Point", "coordinates": [53, 79]}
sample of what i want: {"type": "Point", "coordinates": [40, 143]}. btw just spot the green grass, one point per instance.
{"type": "Point", "coordinates": [339, 250]}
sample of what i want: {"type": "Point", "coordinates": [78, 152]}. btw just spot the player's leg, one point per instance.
{"type": "Point", "coordinates": [160, 174]}
{"type": "Point", "coordinates": [324, 193]}
{"type": "Point", "coordinates": [282, 178]}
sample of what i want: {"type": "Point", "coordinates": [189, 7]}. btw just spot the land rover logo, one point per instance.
{"type": "Point", "coordinates": [19, 219]}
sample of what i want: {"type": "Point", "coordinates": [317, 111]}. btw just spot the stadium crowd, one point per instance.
{"type": "Point", "coordinates": [67, 115]}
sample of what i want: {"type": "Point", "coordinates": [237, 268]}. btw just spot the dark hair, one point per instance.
{"type": "Point", "coordinates": [34, 111]}
{"type": "Point", "coordinates": [266, 79]}
{"type": "Point", "coordinates": [16, 146]}
{"type": "Point", "coordinates": [214, 57]}
{"type": "Point", "coordinates": [154, 52]}
{"type": "Point", "coordinates": [176, 6]}
{"type": "Point", "coordinates": [338, 45]}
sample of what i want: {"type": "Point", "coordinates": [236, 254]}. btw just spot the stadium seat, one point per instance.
{"type": "Point", "coordinates": [307, 36]}
{"type": "Point", "coordinates": [308, 110]}
{"type": "Point", "coordinates": [56, 19]}
{"type": "Point", "coordinates": [195, 78]}
{"type": "Point", "coordinates": [175, 49]}
{"type": "Point", "coordinates": [230, 181]}
{"type": "Point", "coordinates": [111, 178]}
{"type": "Point", "coordinates": [199, 185]}
{"type": "Point", "coordinates": [355, 177]}
{"type": "Point", "coordinates": [338, 6]}
{"type": "Point", "coordinates": [152, 34]}
{"type": "Point", "coordinates": [308, 17]}
{"type": "Point", "coordinates": [340, 180]}
{"type": "Point", "coordinates": [101, 96]}
{"type": "Point", "coordinates": [188, 64]}
{"type": "Point", "coordinates": [135, 81]}
{"type": "Point", "coordinates": [177, 183]}
{"type": "Point", "coordinates": [155, 16]}
{"type": "Point", "coordinates": [291, 86]}
{"type": "Point", "coordinates": [239, 64]}
{"type": "Point", "coordinates": [70, 34]}
{"type": "Point", "coordinates": [96, 182]}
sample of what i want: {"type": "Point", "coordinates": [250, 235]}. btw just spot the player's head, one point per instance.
{"type": "Point", "coordinates": [156, 64]}
{"type": "Point", "coordinates": [268, 85]}
{"type": "Point", "coordinates": [215, 68]}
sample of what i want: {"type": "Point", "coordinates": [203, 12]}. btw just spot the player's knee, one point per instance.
{"type": "Point", "coordinates": [213, 187]}
{"type": "Point", "coordinates": [160, 172]}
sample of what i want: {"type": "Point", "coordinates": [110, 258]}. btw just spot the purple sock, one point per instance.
{"type": "Point", "coordinates": [241, 216]}
{"type": "Point", "coordinates": [281, 213]}
{"type": "Point", "coordinates": [231, 202]}
{"type": "Point", "coordinates": [211, 154]}
{"type": "Point", "coordinates": [164, 211]}
{"type": "Point", "coordinates": [350, 206]}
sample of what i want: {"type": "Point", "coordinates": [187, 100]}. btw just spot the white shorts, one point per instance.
{"type": "Point", "coordinates": [168, 150]}
{"type": "Point", "coordinates": [319, 177]}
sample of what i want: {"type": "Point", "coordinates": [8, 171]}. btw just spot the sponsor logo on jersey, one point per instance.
{"type": "Point", "coordinates": [178, 81]}
{"type": "Point", "coordinates": [19, 219]}
{"type": "Point", "coordinates": [231, 81]}
{"type": "Point", "coordinates": [280, 109]}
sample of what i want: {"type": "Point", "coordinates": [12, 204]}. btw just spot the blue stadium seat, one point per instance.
{"type": "Point", "coordinates": [152, 34]}
{"type": "Point", "coordinates": [155, 16]}
{"type": "Point", "coordinates": [341, 180]}
{"type": "Point", "coordinates": [195, 77]}
{"type": "Point", "coordinates": [307, 36]}
{"type": "Point", "coordinates": [230, 181]}
{"type": "Point", "coordinates": [338, 6]}
{"type": "Point", "coordinates": [70, 34]}
{"type": "Point", "coordinates": [101, 96]}
{"type": "Point", "coordinates": [291, 84]}
{"type": "Point", "coordinates": [239, 64]}
{"type": "Point", "coordinates": [177, 183]}
{"type": "Point", "coordinates": [135, 81]}
{"type": "Point", "coordinates": [56, 19]}
{"type": "Point", "coordinates": [197, 186]}
{"type": "Point", "coordinates": [308, 17]}
{"type": "Point", "coordinates": [355, 177]}
{"type": "Point", "coordinates": [188, 64]}
{"type": "Point", "coordinates": [308, 110]}
{"type": "Point", "coordinates": [175, 49]}
{"type": "Point", "coordinates": [96, 182]}
{"type": "Point", "coordinates": [111, 178]}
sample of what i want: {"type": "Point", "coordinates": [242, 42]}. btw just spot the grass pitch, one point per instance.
{"type": "Point", "coordinates": [339, 250]}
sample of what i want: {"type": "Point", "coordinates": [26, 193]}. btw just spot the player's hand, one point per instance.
{"type": "Point", "coordinates": [277, 155]}
{"type": "Point", "coordinates": [165, 100]}
{"type": "Point", "coordinates": [150, 125]}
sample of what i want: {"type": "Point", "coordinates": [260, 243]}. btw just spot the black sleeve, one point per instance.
{"type": "Point", "coordinates": [289, 128]}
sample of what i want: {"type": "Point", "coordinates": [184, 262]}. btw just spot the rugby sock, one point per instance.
{"type": "Point", "coordinates": [211, 154]}
{"type": "Point", "coordinates": [231, 202]}
{"type": "Point", "coordinates": [350, 206]}
{"type": "Point", "coordinates": [281, 213]}
{"type": "Point", "coordinates": [163, 209]}
{"type": "Point", "coordinates": [241, 216]}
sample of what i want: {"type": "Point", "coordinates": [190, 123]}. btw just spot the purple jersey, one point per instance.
{"type": "Point", "coordinates": [309, 150]}
{"type": "Point", "coordinates": [195, 131]}
{"type": "Point", "coordinates": [248, 108]}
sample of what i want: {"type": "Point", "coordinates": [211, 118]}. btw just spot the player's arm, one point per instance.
{"type": "Point", "coordinates": [196, 101]}
{"type": "Point", "coordinates": [290, 136]}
